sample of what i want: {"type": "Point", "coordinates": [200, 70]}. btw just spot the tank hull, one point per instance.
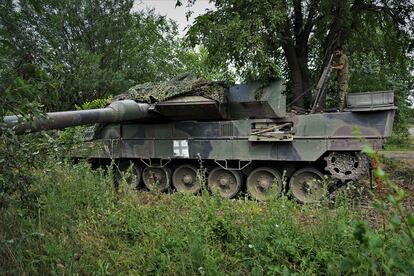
{"type": "Point", "coordinates": [312, 136]}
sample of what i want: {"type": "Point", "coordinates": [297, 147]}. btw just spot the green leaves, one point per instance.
{"type": "Point", "coordinates": [37, 5]}
{"type": "Point", "coordinates": [367, 149]}
{"type": "Point", "coordinates": [293, 39]}
{"type": "Point", "coordinates": [378, 172]}
{"type": "Point", "coordinates": [410, 220]}
{"type": "Point", "coordinates": [237, 34]}
{"type": "Point", "coordinates": [76, 51]}
{"type": "Point", "coordinates": [6, 43]}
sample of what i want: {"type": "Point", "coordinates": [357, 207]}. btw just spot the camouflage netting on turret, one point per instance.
{"type": "Point", "coordinates": [180, 86]}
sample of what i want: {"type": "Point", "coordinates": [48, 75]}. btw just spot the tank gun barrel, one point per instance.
{"type": "Point", "coordinates": [118, 111]}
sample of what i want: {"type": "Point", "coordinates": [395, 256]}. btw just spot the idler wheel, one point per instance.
{"type": "Point", "coordinates": [306, 185]}
{"type": "Point", "coordinates": [129, 173]}
{"type": "Point", "coordinates": [184, 179]}
{"type": "Point", "coordinates": [156, 178]}
{"type": "Point", "coordinates": [264, 182]}
{"type": "Point", "coordinates": [225, 182]}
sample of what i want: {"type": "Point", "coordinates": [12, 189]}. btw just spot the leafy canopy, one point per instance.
{"type": "Point", "coordinates": [294, 39]}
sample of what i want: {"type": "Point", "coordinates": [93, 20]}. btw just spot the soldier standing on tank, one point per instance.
{"type": "Point", "coordinates": [343, 77]}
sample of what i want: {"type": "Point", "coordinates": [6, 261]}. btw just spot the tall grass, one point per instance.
{"type": "Point", "coordinates": [79, 224]}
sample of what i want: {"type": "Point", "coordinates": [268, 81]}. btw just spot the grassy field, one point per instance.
{"type": "Point", "coordinates": [74, 222]}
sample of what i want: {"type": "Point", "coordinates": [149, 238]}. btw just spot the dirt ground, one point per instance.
{"type": "Point", "coordinates": [406, 156]}
{"type": "Point", "coordinates": [400, 168]}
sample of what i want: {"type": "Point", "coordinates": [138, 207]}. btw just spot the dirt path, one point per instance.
{"type": "Point", "coordinates": [400, 155]}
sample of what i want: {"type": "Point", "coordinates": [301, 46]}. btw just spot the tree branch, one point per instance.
{"type": "Point", "coordinates": [298, 18]}
{"type": "Point", "coordinates": [310, 19]}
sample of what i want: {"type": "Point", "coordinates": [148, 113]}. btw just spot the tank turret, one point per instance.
{"type": "Point", "coordinates": [237, 102]}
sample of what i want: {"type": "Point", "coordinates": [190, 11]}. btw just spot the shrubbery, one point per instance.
{"type": "Point", "coordinates": [77, 223]}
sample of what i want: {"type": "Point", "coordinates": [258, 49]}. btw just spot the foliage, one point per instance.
{"type": "Point", "coordinates": [81, 225]}
{"type": "Point", "coordinates": [294, 39]}
{"type": "Point", "coordinates": [233, 36]}
{"type": "Point", "coordinates": [84, 49]}
{"type": "Point", "coordinates": [20, 158]}
{"type": "Point", "coordinates": [96, 103]}
{"type": "Point", "coordinates": [198, 61]}
{"type": "Point", "coordinates": [410, 114]}
{"type": "Point", "coordinates": [19, 155]}
{"type": "Point", "coordinates": [392, 248]}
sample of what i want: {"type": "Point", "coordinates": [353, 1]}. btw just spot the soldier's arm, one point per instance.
{"type": "Point", "coordinates": [338, 67]}
{"type": "Point", "coordinates": [340, 64]}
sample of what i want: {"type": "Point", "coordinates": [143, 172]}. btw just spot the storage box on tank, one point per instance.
{"type": "Point", "coordinates": [379, 98]}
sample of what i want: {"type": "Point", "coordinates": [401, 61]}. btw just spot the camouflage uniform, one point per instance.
{"type": "Point", "coordinates": [343, 78]}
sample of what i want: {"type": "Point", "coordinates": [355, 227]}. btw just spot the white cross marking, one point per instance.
{"type": "Point", "coordinates": [180, 148]}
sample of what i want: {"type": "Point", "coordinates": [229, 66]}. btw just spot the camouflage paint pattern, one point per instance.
{"type": "Point", "coordinates": [251, 126]}
{"type": "Point", "coordinates": [228, 140]}
{"type": "Point", "coordinates": [119, 111]}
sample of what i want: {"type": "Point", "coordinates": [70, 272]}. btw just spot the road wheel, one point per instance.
{"type": "Point", "coordinates": [306, 185]}
{"type": "Point", "coordinates": [156, 178]}
{"type": "Point", "coordinates": [184, 179]}
{"type": "Point", "coordinates": [225, 182]}
{"type": "Point", "coordinates": [263, 182]}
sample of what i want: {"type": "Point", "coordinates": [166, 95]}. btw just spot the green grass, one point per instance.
{"type": "Point", "coordinates": [399, 142]}
{"type": "Point", "coordinates": [75, 223]}
{"type": "Point", "coordinates": [400, 147]}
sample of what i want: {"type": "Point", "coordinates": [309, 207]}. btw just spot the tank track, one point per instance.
{"type": "Point", "coordinates": [260, 181]}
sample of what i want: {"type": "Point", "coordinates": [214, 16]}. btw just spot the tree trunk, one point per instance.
{"type": "Point", "coordinates": [297, 60]}
{"type": "Point", "coordinates": [295, 46]}
{"type": "Point", "coordinates": [302, 55]}
{"type": "Point", "coordinates": [295, 73]}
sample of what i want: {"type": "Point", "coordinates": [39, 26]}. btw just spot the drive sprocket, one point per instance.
{"type": "Point", "coordinates": [347, 165]}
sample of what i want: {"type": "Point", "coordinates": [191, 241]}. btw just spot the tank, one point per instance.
{"type": "Point", "coordinates": [247, 142]}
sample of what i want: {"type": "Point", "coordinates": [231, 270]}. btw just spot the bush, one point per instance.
{"type": "Point", "coordinates": [78, 224]}
{"type": "Point", "coordinates": [399, 139]}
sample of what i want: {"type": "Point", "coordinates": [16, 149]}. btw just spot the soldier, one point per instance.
{"type": "Point", "coordinates": [343, 77]}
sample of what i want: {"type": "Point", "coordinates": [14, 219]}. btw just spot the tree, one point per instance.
{"type": "Point", "coordinates": [197, 62]}
{"type": "Point", "coordinates": [80, 50]}
{"type": "Point", "coordinates": [266, 39]}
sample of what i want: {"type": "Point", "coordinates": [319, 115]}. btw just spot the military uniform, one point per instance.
{"type": "Point", "coordinates": [343, 78]}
